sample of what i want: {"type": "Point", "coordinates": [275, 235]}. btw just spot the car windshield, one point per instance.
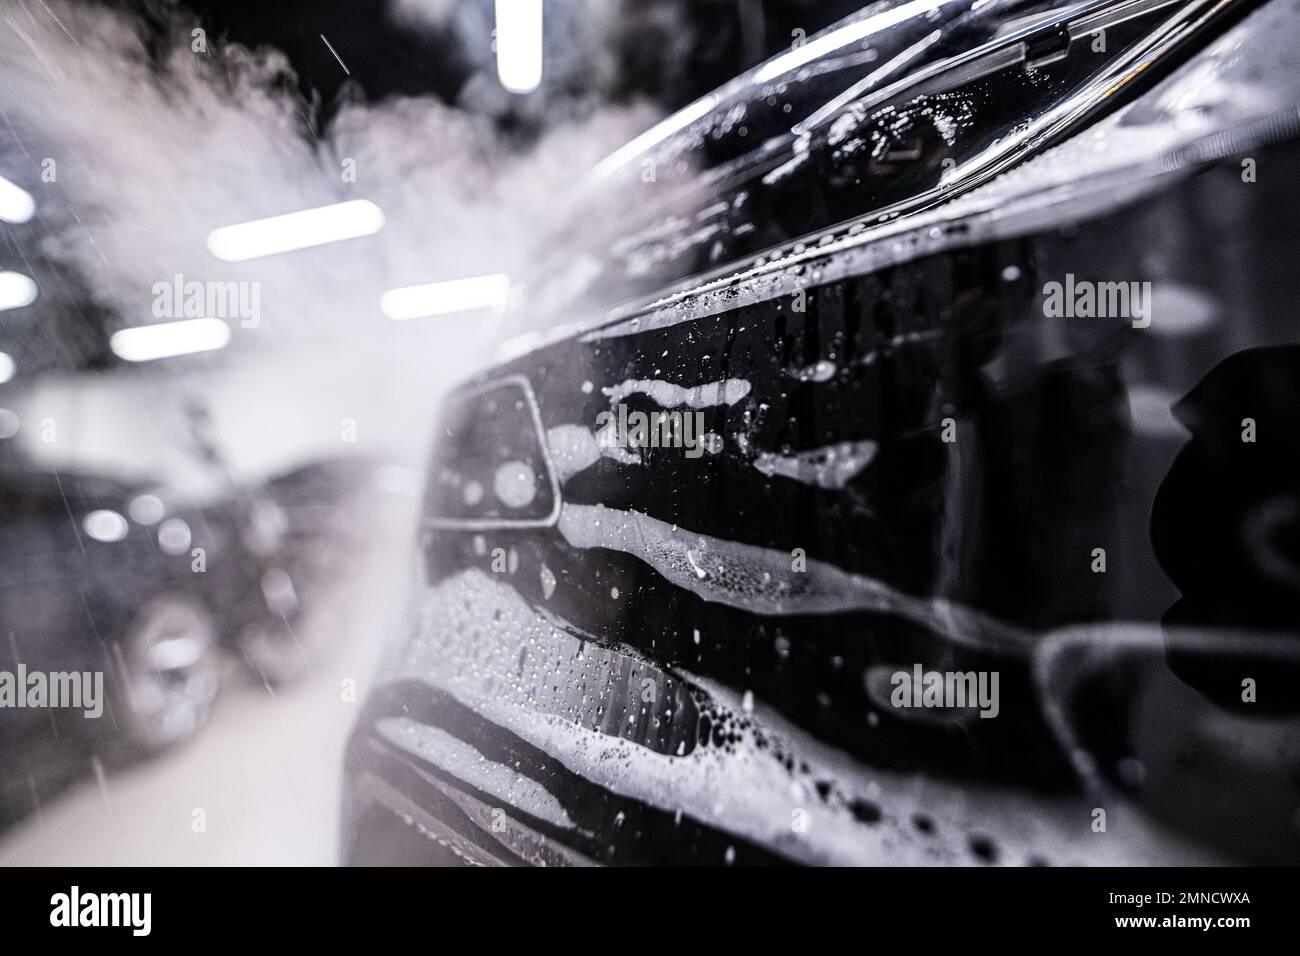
{"type": "Point", "coordinates": [902, 106]}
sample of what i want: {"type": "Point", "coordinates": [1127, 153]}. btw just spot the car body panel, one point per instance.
{"type": "Point", "coordinates": [913, 463]}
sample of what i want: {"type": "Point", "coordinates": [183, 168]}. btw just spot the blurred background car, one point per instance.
{"type": "Point", "coordinates": [85, 588]}
{"type": "Point", "coordinates": [105, 576]}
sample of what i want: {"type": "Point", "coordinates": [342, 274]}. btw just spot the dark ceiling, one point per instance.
{"type": "Point", "coordinates": [671, 50]}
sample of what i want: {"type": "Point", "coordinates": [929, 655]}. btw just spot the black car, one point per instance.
{"type": "Point", "coordinates": [912, 478]}
{"type": "Point", "coordinates": [141, 590]}
{"type": "Point", "coordinates": [95, 578]}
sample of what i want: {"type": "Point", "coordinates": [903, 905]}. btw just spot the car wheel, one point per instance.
{"type": "Point", "coordinates": [170, 663]}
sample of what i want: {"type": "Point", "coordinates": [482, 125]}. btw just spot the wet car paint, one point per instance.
{"type": "Point", "coordinates": [915, 465]}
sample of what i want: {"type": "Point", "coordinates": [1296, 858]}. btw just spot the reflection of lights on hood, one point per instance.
{"type": "Point", "coordinates": [146, 509]}
{"type": "Point", "coordinates": [144, 343]}
{"type": "Point", "coordinates": [16, 290]}
{"type": "Point", "coordinates": [773, 69]}
{"type": "Point", "coordinates": [16, 203]}
{"type": "Point", "coordinates": [104, 525]}
{"type": "Point", "coordinates": [7, 367]}
{"type": "Point", "coordinates": [849, 33]}
{"type": "Point", "coordinates": [519, 44]}
{"type": "Point", "coordinates": [655, 135]}
{"type": "Point", "coordinates": [444, 298]}
{"type": "Point", "coordinates": [296, 230]}
{"type": "Point", "coordinates": [174, 536]}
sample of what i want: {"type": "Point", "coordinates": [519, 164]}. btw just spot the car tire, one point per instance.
{"type": "Point", "coordinates": [170, 661]}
